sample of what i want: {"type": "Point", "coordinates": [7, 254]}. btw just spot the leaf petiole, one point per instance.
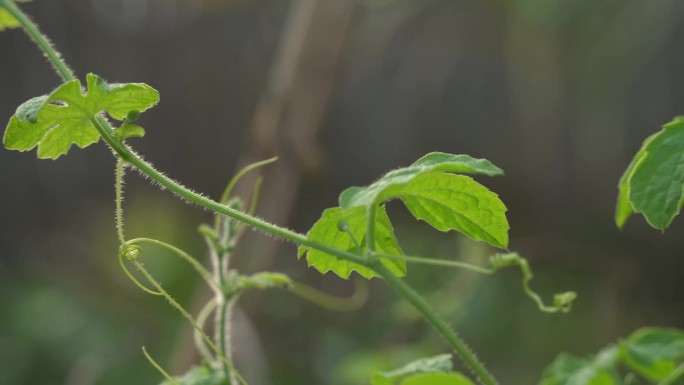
{"type": "Point", "coordinates": [437, 262]}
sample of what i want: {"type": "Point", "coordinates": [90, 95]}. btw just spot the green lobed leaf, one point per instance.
{"type": "Point", "coordinates": [54, 122]}
{"type": "Point", "coordinates": [653, 184]}
{"type": "Point", "coordinates": [437, 364]}
{"type": "Point", "coordinates": [200, 375]}
{"type": "Point", "coordinates": [438, 379]}
{"type": "Point", "coordinates": [654, 352]}
{"type": "Point", "coordinates": [326, 230]}
{"type": "Point", "coordinates": [445, 201]}
{"type": "Point", "coordinates": [569, 370]}
{"type": "Point", "coordinates": [435, 161]}
{"type": "Point", "coordinates": [455, 202]}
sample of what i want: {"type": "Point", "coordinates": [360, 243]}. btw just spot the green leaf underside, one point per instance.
{"type": "Point", "coordinates": [445, 201]}
{"type": "Point", "coordinates": [595, 370]}
{"type": "Point", "coordinates": [436, 161]}
{"type": "Point", "coordinates": [455, 202]}
{"type": "Point", "coordinates": [461, 164]}
{"type": "Point", "coordinates": [654, 352]}
{"type": "Point", "coordinates": [326, 230]}
{"type": "Point", "coordinates": [437, 364]}
{"type": "Point", "coordinates": [56, 121]}
{"type": "Point", "coordinates": [199, 375]}
{"type": "Point", "coordinates": [624, 208]}
{"type": "Point", "coordinates": [653, 183]}
{"type": "Point", "coordinates": [437, 379]}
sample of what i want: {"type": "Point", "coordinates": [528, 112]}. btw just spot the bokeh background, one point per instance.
{"type": "Point", "coordinates": [559, 94]}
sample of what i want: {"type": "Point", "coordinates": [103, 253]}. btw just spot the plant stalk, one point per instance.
{"type": "Point", "coordinates": [41, 40]}
{"type": "Point", "coordinates": [225, 324]}
{"type": "Point", "coordinates": [467, 355]}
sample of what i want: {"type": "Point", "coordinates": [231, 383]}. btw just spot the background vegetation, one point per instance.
{"type": "Point", "coordinates": [560, 95]}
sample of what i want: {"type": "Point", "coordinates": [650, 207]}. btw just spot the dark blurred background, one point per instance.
{"type": "Point", "coordinates": [560, 94]}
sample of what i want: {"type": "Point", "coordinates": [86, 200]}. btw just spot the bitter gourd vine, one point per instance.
{"type": "Point", "coordinates": [356, 236]}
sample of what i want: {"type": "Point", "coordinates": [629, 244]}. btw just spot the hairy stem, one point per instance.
{"type": "Point", "coordinates": [187, 316]}
{"type": "Point", "coordinates": [224, 334]}
{"type": "Point", "coordinates": [468, 356]}
{"type": "Point", "coordinates": [236, 178]}
{"type": "Point", "coordinates": [129, 156]}
{"type": "Point", "coordinates": [197, 337]}
{"type": "Point", "coordinates": [41, 40]}
{"type": "Point", "coordinates": [120, 165]}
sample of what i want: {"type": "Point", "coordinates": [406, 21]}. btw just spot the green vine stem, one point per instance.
{"type": "Point", "coordinates": [467, 355]}
{"type": "Point", "coordinates": [131, 251]}
{"type": "Point", "coordinates": [129, 156]}
{"type": "Point", "coordinates": [255, 195]}
{"type": "Point", "coordinates": [236, 178]}
{"type": "Point", "coordinates": [120, 168]}
{"type": "Point", "coordinates": [197, 337]}
{"type": "Point", "coordinates": [41, 40]}
{"type": "Point", "coordinates": [675, 377]}
{"type": "Point", "coordinates": [187, 316]}
{"type": "Point", "coordinates": [159, 368]}
{"type": "Point", "coordinates": [221, 241]}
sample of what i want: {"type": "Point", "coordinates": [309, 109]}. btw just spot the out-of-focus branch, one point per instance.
{"type": "Point", "coordinates": [292, 106]}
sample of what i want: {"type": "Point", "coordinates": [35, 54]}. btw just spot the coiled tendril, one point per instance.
{"type": "Point", "coordinates": [562, 302]}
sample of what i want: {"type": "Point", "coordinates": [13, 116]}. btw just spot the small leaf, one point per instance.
{"type": "Point", "coordinates": [569, 370]}
{"type": "Point", "coordinates": [326, 230]}
{"type": "Point", "coordinates": [438, 379]}
{"type": "Point", "coordinates": [200, 375]}
{"type": "Point", "coordinates": [654, 352]}
{"type": "Point", "coordinates": [653, 183]}
{"type": "Point", "coordinates": [129, 131]}
{"type": "Point", "coordinates": [132, 116]}
{"type": "Point", "coordinates": [7, 20]}
{"type": "Point", "coordinates": [436, 364]}
{"type": "Point", "coordinates": [65, 117]}
{"type": "Point", "coordinates": [445, 201]}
